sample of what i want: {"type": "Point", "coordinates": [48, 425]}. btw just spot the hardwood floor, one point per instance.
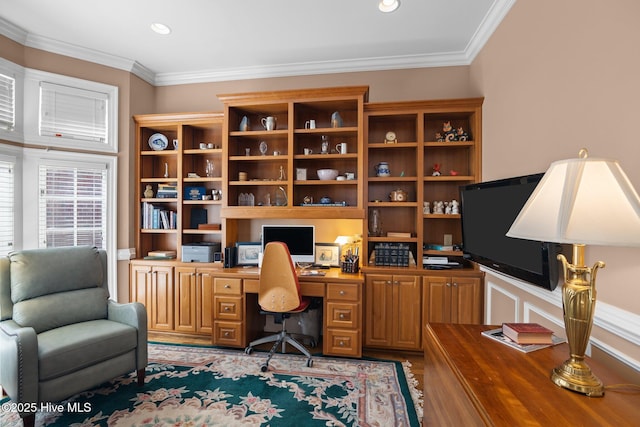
{"type": "Point", "coordinates": [415, 358]}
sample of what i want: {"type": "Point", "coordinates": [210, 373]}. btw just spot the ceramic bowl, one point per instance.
{"type": "Point", "coordinates": [327, 174]}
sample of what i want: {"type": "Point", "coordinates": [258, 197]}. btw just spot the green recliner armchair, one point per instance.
{"type": "Point", "coordinates": [60, 334]}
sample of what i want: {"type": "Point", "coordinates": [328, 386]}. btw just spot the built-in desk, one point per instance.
{"type": "Point", "coordinates": [236, 319]}
{"type": "Point", "coordinates": [470, 380]}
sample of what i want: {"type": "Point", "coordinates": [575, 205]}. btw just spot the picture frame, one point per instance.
{"type": "Point", "coordinates": [328, 254]}
{"type": "Point", "coordinates": [248, 253]}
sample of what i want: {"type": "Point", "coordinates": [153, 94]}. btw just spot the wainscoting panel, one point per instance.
{"type": "Point", "coordinates": [615, 333]}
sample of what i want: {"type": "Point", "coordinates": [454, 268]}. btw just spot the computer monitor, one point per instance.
{"type": "Point", "coordinates": [300, 239]}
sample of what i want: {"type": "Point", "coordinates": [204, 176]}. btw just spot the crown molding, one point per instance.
{"type": "Point", "coordinates": [491, 21]}
{"type": "Point", "coordinates": [311, 68]}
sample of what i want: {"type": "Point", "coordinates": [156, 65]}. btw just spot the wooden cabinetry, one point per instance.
{"type": "Point", "coordinates": [228, 312]}
{"type": "Point", "coordinates": [194, 299]}
{"type": "Point", "coordinates": [393, 311]}
{"type": "Point", "coordinates": [343, 324]}
{"type": "Point", "coordinates": [411, 159]}
{"type": "Point", "coordinates": [274, 160]}
{"type": "Point", "coordinates": [166, 218]}
{"type": "Point", "coordinates": [453, 299]}
{"type": "Point", "coordinates": [152, 285]}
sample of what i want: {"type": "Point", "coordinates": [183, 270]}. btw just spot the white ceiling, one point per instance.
{"type": "Point", "coordinates": [215, 40]}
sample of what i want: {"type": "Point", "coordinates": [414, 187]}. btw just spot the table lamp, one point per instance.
{"type": "Point", "coordinates": [580, 201]}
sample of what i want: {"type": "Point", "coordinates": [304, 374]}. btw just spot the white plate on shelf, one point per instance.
{"type": "Point", "coordinates": [158, 142]}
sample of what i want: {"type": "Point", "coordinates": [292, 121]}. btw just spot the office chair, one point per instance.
{"type": "Point", "coordinates": [279, 295]}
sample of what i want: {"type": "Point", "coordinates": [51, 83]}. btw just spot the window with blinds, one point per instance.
{"type": "Point", "coordinates": [7, 102]}
{"type": "Point", "coordinates": [73, 113]}
{"type": "Point", "coordinates": [7, 208]}
{"type": "Point", "coordinates": [73, 206]}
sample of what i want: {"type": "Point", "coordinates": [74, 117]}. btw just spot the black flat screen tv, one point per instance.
{"type": "Point", "coordinates": [487, 210]}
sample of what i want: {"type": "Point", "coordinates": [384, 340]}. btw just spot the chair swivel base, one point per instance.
{"type": "Point", "coordinates": [280, 338]}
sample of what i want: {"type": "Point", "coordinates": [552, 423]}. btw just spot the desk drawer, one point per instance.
{"type": "Point", "coordinates": [228, 333]}
{"type": "Point", "coordinates": [342, 315]}
{"type": "Point", "coordinates": [227, 286]}
{"type": "Point", "coordinates": [228, 308]}
{"type": "Point", "coordinates": [343, 291]}
{"type": "Point", "coordinates": [340, 342]}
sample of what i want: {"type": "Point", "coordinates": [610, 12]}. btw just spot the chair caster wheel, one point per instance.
{"type": "Point", "coordinates": [264, 368]}
{"type": "Point", "coordinates": [248, 350]}
{"type": "Point", "coordinates": [309, 363]}
{"type": "Point", "coordinates": [313, 344]}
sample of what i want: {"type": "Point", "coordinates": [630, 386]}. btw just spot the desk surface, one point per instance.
{"type": "Point", "coordinates": [472, 380]}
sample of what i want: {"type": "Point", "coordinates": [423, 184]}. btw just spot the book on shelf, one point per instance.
{"type": "Point", "coordinates": [398, 234]}
{"type": "Point", "coordinates": [498, 335]}
{"type": "Point", "coordinates": [527, 333]}
{"type": "Point", "coordinates": [160, 253]}
{"type": "Point", "coordinates": [436, 247]}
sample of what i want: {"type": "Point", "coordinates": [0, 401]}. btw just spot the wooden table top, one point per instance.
{"type": "Point", "coordinates": [507, 387]}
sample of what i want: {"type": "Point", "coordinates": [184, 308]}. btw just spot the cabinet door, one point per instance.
{"type": "Point", "coordinates": [379, 309]}
{"type": "Point", "coordinates": [185, 299]}
{"type": "Point", "coordinates": [437, 299]}
{"type": "Point", "coordinates": [140, 287]}
{"type": "Point", "coordinates": [406, 320]}
{"type": "Point", "coordinates": [204, 298]}
{"type": "Point", "coordinates": [466, 300]}
{"type": "Point", "coordinates": [161, 302]}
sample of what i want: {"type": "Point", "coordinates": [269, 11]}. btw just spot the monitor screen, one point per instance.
{"type": "Point", "coordinates": [300, 239]}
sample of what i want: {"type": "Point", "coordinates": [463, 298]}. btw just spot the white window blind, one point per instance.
{"type": "Point", "coordinates": [73, 206]}
{"type": "Point", "coordinates": [73, 113]}
{"type": "Point", "coordinates": [7, 208]}
{"type": "Point", "coordinates": [7, 102]}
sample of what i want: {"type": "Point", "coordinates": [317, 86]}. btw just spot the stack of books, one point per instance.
{"type": "Point", "coordinates": [527, 333]}
{"type": "Point", "coordinates": [167, 191]}
{"type": "Point", "coordinates": [156, 217]}
{"type": "Point", "coordinates": [525, 337]}
{"type": "Point", "coordinates": [169, 254]}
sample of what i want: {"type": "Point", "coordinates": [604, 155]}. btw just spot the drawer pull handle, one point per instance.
{"type": "Point", "coordinates": [341, 343]}
{"type": "Point", "coordinates": [226, 309]}
{"type": "Point", "coordinates": [226, 334]}
{"type": "Point", "coordinates": [227, 286]}
{"type": "Point", "coordinates": [342, 292]}
{"type": "Point", "coordinates": [341, 316]}
{"type": "Point", "coordinates": [448, 284]}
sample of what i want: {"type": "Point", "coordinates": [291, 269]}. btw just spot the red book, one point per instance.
{"type": "Point", "coordinates": [527, 333]}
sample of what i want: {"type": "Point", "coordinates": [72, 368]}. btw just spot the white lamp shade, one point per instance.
{"type": "Point", "coordinates": [585, 201]}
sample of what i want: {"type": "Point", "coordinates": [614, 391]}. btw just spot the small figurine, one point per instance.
{"type": "Point", "coordinates": [336, 120]}
{"type": "Point", "coordinates": [148, 192]}
{"type": "Point", "coordinates": [244, 124]}
{"type": "Point", "coordinates": [436, 169]}
{"type": "Point", "coordinates": [439, 137]}
{"type": "Point", "coordinates": [447, 208]}
{"type": "Point", "coordinates": [455, 207]}
{"type": "Point", "coordinates": [461, 134]}
{"type": "Point", "coordinates": [438, 207]}
{"type": "Point", "coordinates": [426, 208]}
{"type": "Point", "coordinates": [449, 133]}
{"type": "Point", "coordinates": [453, 172]}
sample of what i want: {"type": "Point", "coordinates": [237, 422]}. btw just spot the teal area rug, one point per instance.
{"type": "Point", "coordinates": [203, 386]}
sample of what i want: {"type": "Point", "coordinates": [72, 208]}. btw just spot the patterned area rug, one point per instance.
{"type": "Point", "coordinates": [202, 386]}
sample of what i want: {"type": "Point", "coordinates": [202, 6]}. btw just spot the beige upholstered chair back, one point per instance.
{"type": "Point", "coordinates": [279, 288]}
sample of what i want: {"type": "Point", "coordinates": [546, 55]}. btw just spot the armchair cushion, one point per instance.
{"type": "Point", "coordinates": [43, 271]}
{"type": "Point", "coordinates": [74, 347]}
{"type": "Point", "coordinates": [55, 310]}
{"type": "Point", "coordinates": [50, 288]}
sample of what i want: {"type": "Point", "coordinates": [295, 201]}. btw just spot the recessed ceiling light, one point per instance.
{"type": "Point", "coordinates": [388, 5]}
{"type": "Point", "coordinates": [160, 28]}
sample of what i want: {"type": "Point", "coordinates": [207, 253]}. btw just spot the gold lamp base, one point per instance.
{"type": "Point", "coordinates": [578, 304]}
{"type": "Point", "coordinates": [577, 376]}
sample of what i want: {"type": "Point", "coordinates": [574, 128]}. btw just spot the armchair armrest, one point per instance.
{"type": "Point", "coordinates": [19, 362]}
{"type": "Point", "coordinates": [133, 314]}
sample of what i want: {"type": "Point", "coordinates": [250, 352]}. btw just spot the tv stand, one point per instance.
{"type": "Point", "coordinates": [471, 380]}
